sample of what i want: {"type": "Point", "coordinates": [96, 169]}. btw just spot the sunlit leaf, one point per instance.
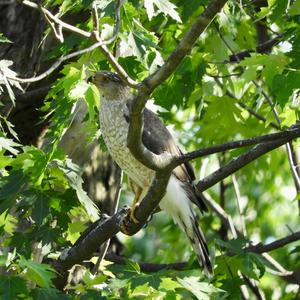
{"type": "Point", "coordinates": [41, 274]}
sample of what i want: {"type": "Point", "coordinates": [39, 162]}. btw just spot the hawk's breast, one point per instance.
{"type": "Point", "coordinates": [114, 128]}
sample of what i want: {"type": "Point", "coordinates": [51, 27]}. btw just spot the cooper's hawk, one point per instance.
{"type": "Point", "coordinates": [114, 119]}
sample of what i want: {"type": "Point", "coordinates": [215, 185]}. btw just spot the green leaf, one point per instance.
{"type": "Point", "coordinates": [41, 274]}
{"type": "Point", "coordinates": [92, 97]}
{"type": "Point", "coordinates": [168, 284]}
{"type": "Point", "coordinates": [41, 208]}
{"type": "Point", "coordinates": [49, 294]}
{"type": "Point", "coordinates": [8, 222]}
{"type": "Point", "coordinates": [72, 172]}
{"type": "Point", "coordinates": [131, 267]}
{"type": "Point", "coordinates": [295, 8]}
{"type": "Point", "coordinates": [164, 6]}
{"type": "Point", "coordinates": [152, 280]}
{"type": "Point", "coordinates": [9, 145]}
{"type": "Point", "coordinates": [283, 86]}
{"type": "Point", "coordinates": [79, 90]}
{"type": "Point", "coordinates": [4, 39]}
{"type": "Point", "coordinates": [10, 187]}
{"type": "Point", "coordinates": [202, 290]}
{"type": "Point", "coordinates": [288, 117]}
{"type": "Point", "coordinates": [4, 160]}
{"type": "Point", "coordinates": [271, 64]}
{"type": "Point", "coordinates": [74, 230]}
{"type": "Point", "coordinates": [278, 9]}
{"type": "Point", "coordinates": [295, 250]}
{"type": "Point", "coordinates": [248, 266]}
{"type": "Point", "coordinates": [11, 287]}
{"type": "Point", "coordinates": [91, 280]}
{"type": "Point", "coordinates": [131, 64]}
{"type": "Point", "coordinates": [33, 162]}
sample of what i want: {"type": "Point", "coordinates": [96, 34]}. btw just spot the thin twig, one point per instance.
{"type": "Point", "coordinates": [239, 204]}
{"type": "Point", "coordinates": [95, 17]}
{"type": "Point", "coordinates": [56, 20]}
{"type": "Point", "coordinates": [91, 35]}
{"type": "Point", "coordinates": [225, 218]}
{"type": "Point", "coordinates": [223, 76]}
{"type": "Point", "coordinates": [59, 34]}
{"type": "Point", "coordinates": [56, 65]}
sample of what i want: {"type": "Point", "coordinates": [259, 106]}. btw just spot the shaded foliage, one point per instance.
{"type": "Point", "coordinates": [209, 99]}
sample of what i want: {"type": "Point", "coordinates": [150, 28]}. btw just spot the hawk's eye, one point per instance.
{"type": "Point", "coordinates": [105, 79]}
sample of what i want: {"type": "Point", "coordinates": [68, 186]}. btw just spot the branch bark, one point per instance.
{"type": "Point", "coordinates": [88, 243]}
{"type": "Point", "coordinates": [241, 161]}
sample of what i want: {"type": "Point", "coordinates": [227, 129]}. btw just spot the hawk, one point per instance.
{"type": "Point", "coordinates": [180, 192]}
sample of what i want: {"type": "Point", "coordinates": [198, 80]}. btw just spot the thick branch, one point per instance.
{"type": "Point", "coordinates": [291, 132]}
{"type": "Point", "coordinates": [185, 45]}
{"type": "Point", "coordinates": [148, 267]}
{"type": "Point", "coordinates": [243, 160]}
{"type": "Point", "coordinates": [260, 248]}
{"type": "Point", "coordinates": [134, 138]}
{"type": "Point", "coordinates": [87, 244]}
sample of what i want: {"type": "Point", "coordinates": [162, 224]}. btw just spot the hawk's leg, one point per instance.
{"type": "Point", "coordinates": [138, 196]}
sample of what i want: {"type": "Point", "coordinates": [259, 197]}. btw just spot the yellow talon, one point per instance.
{"type": "Point", "coordinates": [124, 229]}
{"type": "Point", "coordinates": [132, 215]}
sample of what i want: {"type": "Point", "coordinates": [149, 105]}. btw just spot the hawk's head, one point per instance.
{"type": "Point", "coordinates": [111, 86]}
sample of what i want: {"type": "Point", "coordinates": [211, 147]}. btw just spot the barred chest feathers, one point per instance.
{"type": "Point", "coordinates": [114, 127]}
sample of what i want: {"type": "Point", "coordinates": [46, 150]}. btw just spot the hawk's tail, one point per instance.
{"type": "Point", "coordinates": [199, 244]}
{"type": "Point", "coordinates": [177, 203]}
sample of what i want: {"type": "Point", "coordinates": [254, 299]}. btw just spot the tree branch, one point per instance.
{"type": "Point", "coordinates": [260, 248]}
{"type": "Point", "coordinates": [261, 48]}
{"type": "Point", "coordinates": [88, 243]}
{"type": "Point", "coordinates": [243, 160]}
{"type": "Point", "coordinates": [134, 139]}
{"type": "Point", "coordinates": [94, 35]}
{"type": "Point", "coordinates": [148, 267]}
{"type": "Point", "coordinates": [56, 64]}
{"type": "Point", "coordinates": [291, 132]}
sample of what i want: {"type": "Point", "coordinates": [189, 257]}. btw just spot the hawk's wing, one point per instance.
{"type": "Point", "coordinates": [158, 139]}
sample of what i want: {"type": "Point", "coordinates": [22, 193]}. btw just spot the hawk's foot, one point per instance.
{"type": "Point", "coordinates": [132, 213]}
{"type": "Point", "coordinates": [124, 229]}
{"type": "Point", "coordinates": [129, 218]}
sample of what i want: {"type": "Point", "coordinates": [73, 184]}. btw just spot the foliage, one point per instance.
{"type": "Point", "coordinates": [208, 100]}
